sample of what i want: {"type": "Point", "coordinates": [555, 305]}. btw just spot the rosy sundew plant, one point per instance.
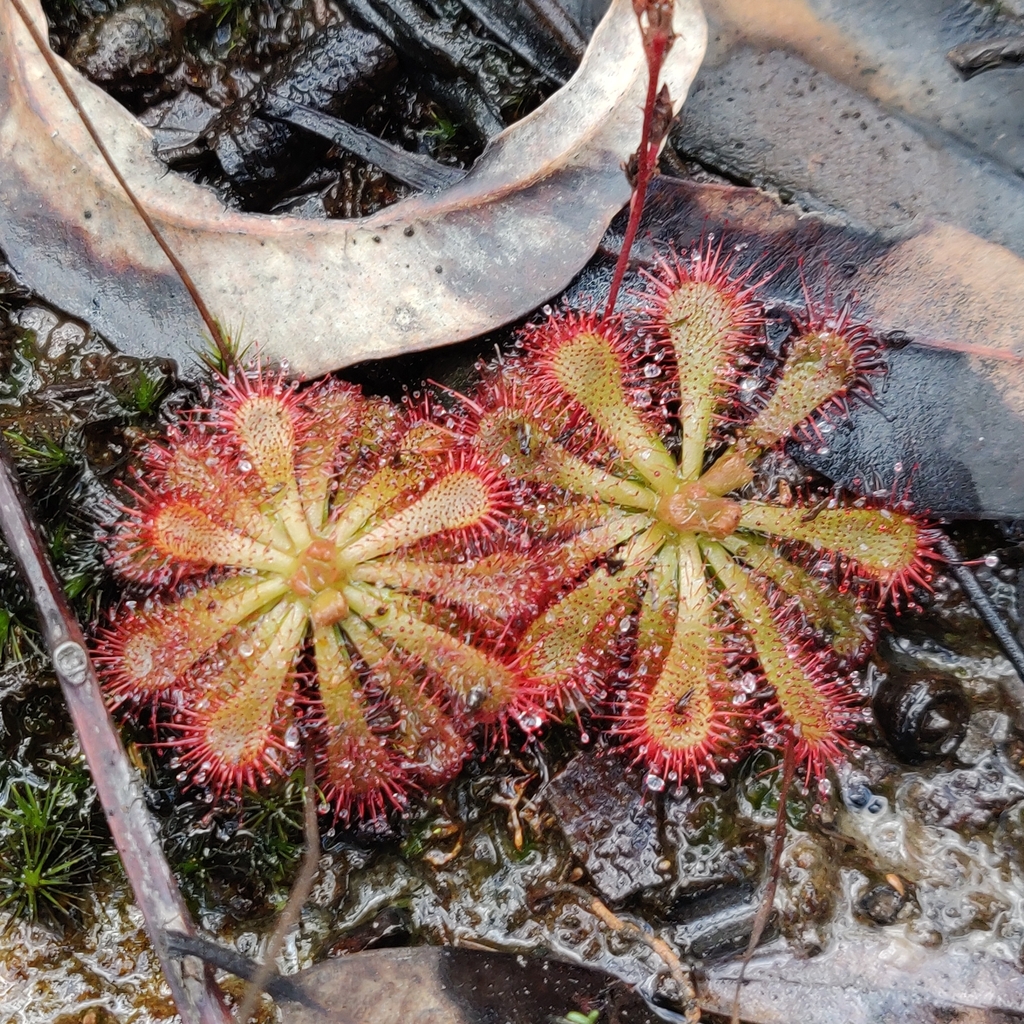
{"type": "Point", "coordinates": [319, 573]}
{"type": "Point", "coordinates": [734, 612]}
{"type": "Point", "coordinates": [330, 572]}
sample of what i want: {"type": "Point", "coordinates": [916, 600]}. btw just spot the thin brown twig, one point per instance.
{"type": "Point", "coordinates": [216, 332]}
{"type": "Point", "coordinates": [678, 971]}
{"type": "Point", "coordinates": [289, 916]}
{"type": "Point", "coordinates": [768, 899]}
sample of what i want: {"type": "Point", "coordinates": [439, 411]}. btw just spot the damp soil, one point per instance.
{"type": "Point", "coordinates": [918, 838]}
{"type": "Point", "coordinates": [216, 81]}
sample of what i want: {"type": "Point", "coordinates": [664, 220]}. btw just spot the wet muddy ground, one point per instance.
{"type": "Point", "coordinates": [915, 844]}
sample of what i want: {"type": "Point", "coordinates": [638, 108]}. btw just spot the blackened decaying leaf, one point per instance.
{"type": "Point", "coordinates": [608, 825]}
{"type": "Point", "coordinates": [429, 985]}
{"type": "Point", "coordinates": [427, 271]}
{"type": "Point", "coordinates": [949, 423]}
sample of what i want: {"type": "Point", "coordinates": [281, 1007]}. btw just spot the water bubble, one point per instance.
{"type": "Point", "coordinates": [991, 561]}
{"type": "Point", "coordinates": [246, 649]}
{"type": "Point", "coordinates": [244, 466]}
{"type": "Point", "coordinates": [651, 371]}
{"type": "Point", "coordinates": [584, 737]}
{"type": "Point", "coordinates": [530, 722]}
{"type": "Point", "coordinates": [291, 737]}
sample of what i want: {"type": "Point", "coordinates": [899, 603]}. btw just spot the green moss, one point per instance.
{"type": "Point", "coordinates": [239, 858]}
{"type": "Point", "coordinates": [48, 849]}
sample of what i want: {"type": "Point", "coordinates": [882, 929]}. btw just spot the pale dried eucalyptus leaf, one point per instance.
{"type": "Point", "coordinates": [868, 980]}
{"type": "Point", "coordinates": [430, 270]}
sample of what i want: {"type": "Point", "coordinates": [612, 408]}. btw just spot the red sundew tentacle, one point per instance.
{"type": "Point", "coordinates": [704, 313]}
{"type": "Point", "coordinates": [235, 732]}
{"type": "Point", "coordinates": [264, 416]}
{"type": "Point", "coordinates": [816, 712]}
{"type": "Point", "coordinates": [677, 714]}
{"type": "Point", "coordinates": [359, 780]}
{"type": "Point", "coordinates": [852, 629]}
{"type": "Point", "coordinates": [567, 651]}
{"type": "Point", "coordinates": [358, 771]}
{"type": "Point", "coordinates": [467, 498]}
{"type": "Point", "coordinates": [512, 398]}
{"type": "Point", "coordinates": [832, 358]}
{"type": "Point", "coordinates": [545, 450]}
{"type": "Point", "coordinates": [482, 685]}
{"type": "Point", "coordinates": [130, 551]}
{"type": "Point", "coordinates": [334, 416]}
{"type": "Point", "coordinates": [219, 482]}
{"type": "Point", "coordinates": [593, 542]}
{"type": "Point", "coordinates": [147, 651]}
{"type": "Point", "coordinates": [581, 357]}
{"type": "Point", "coordinates": [424, 737]}
{"type": "Point", "coordinates": [520, 447]}
{"type": "Point", "coordinates": [498, 587]}
{"type": "Point", "coordinates": [892, 548]}
{"type": "Point", "coordinates": [396, 482]}
{"type": "Point", "coordinates": [177, 529]}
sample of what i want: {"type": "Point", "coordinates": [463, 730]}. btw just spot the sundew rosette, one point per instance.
{"type": "Point", "coordinates": [318, 569]}
{"type": "Point", "coordinates": [680, 585]}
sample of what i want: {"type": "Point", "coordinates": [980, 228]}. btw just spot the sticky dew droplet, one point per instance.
{"type": "Point", "coordinates": [654, 783]}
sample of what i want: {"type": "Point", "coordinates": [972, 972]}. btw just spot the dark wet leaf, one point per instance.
{"type": "Point", "coordinates": [609, 826]}
{"type": "Point", "coordinates": [429, 985]}
{"type": "Point", "coordinates": [949, 425]}
{"type": "Point", "coordinates": [855, 108]}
